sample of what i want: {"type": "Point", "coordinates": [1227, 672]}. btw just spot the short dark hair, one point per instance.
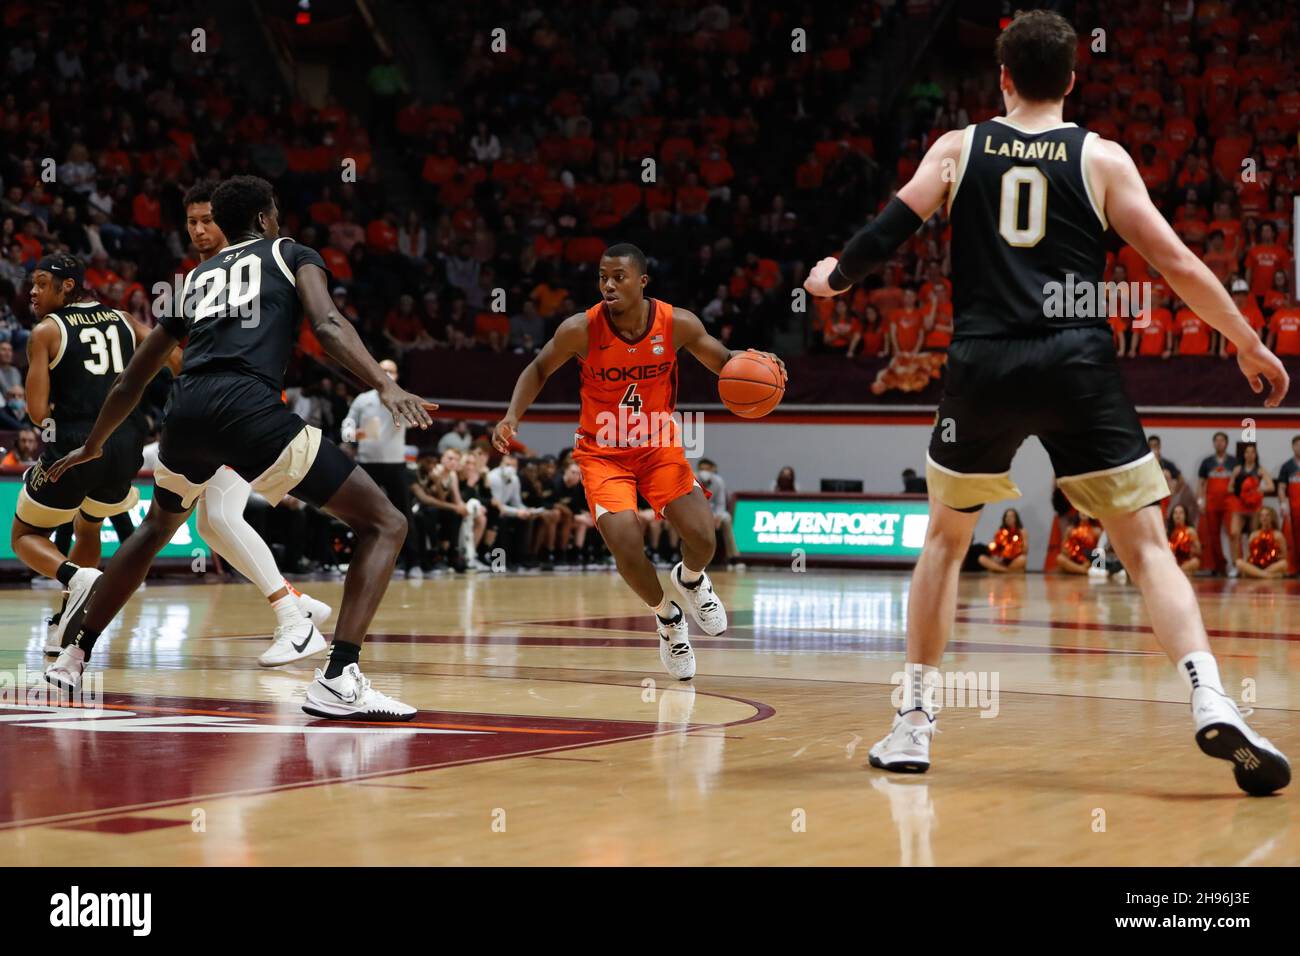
{"type": "Point", "coordinates": [200, 192]}
{"type": "Point", "coordinates": [1038, 50]}
{"type": "Point", "coordinates": [625, 250]}
{"type": "Point", "coordinates": [237, 202]}
{"type": "Point", "coordinates": [1224, 435]}
{"type": "Point", "coordinates": [708, 461]}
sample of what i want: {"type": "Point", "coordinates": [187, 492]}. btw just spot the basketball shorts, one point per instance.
{"type": "Point", "coordinates": [236, 420]}
{"type": "Point", "coordinates": [1065, 388]}
{"type": "Point", "coordinates": [612, 477]}
{"type": "Point", "coordinates": [98, 489]}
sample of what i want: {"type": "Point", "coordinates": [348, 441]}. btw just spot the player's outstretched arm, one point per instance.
{"type": "Point", "coordinates": [1131, 213]}
{"type": "Point", "coordinates": [148, 358]}
{"type": "Point", "coordinates": [341, 342]}
{"type": "Point", "coordinates": [689, 333]}
{"type": "Point", "coordinates": [569, 341]}
{"type": "Point", "coordinates": [907, 212]}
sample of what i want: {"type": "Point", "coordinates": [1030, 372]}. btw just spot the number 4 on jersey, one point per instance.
{"type": "Point", "coordinates": [631, 399]}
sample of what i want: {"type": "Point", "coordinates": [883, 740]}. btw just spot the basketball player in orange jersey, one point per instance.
{"type": "Point", "coordinates": [1018, 368]}
{"type": "Point", "coordinates": [628, 442]}
{"type": "Point", "coordinates": [220, 512]}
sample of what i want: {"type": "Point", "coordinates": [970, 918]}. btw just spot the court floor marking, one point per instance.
{"type": "Point", "coordinates": [763, 712]}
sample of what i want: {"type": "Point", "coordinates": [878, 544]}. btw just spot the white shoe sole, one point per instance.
{"type": "Point", "coordinates": [319, 708]}
{"type": "Point", "coordinates": [1258, 771]}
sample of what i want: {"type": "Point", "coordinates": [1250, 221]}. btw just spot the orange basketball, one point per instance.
{"type": "Point", "coordinates": [751, 385]}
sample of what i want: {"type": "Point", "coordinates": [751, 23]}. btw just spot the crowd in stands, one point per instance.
{"type": "Point", "coordinates": [696, 132]}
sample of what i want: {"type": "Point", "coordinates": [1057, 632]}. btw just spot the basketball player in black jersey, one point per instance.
{"type": "Point", "coordinates": [76, 350]}
{"type": "Point", "coordinates": [238, 322]}
{"type": "Point", "coordinates": [1030, 199]}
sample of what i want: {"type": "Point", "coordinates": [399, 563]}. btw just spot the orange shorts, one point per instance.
{"type": "Point", "coordinates": [612, 477]}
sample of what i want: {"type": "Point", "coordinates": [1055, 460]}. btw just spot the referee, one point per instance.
{"type": "Point", "coordinates": [381, 451]}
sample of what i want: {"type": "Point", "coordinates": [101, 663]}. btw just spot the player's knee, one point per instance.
{"type": "Point", "coordinates": [391, 524]}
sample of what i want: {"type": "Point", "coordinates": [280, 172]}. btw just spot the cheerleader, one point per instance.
{"type": "Point", "coordinates": [1249, 483]}
{"type": "Point", "coordinates": [1266, 555]}
{"type": "Point", "coordinates": [1183, 541]}
{"type": "Point", "coordinates": [1076, 551]}
{"type": "Point", "coordinates": [1008, 547]}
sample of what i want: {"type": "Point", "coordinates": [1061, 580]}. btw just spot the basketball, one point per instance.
{"type": "Point", "coordinates": [751, 385]}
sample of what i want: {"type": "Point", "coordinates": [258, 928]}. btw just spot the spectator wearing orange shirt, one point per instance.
{"type": "Point", "coordinates": [1230, 227]}
{"type": "Point", "coordinates": [843, 332]}
{"type": "Point", "coordinates": [1218, 259]}
{"type": "Point", "coordinates": [1194, 335]}
{"type": "Point", "coordinates": [692, 201]}
{"type": "Point", "coordinates": [938, 319]}
{"type": "Point", "coordinates": [1277, 297]}
{"type": "Point", "coordinates": [1284, 328]}
{"type": "Point", "coordinates": [1154, 338]}
{"type": "Point", "coordinates": [875, 335]}
{"type": "Point", "coordinates": [906, 325]}
{"type": "Point", "coordinates": [23, 455]}
{"type": "Point", "coordinates": [1264, 259]}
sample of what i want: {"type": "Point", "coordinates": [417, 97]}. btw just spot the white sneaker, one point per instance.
{"type": "Point", "coordinates": [350, 697]}
{"type": "Point", "coordinates": [54, 628]}
{"type": "Point", "coordinates": [65, 673]}
{"type": "Point", "coordinates": [415, 574]}
{"type": "Point", "coordinates": [675, 646]}
{"type": "Point", "coordinates": [1221, 731]}
{"type": "Point", "coordinates": [80, 588]}
{"type": "Point", "coordinates": [1096, 573]}
{"type": "Point", "coordinates": [906, 748]}
{"type": "Point", "coordinates": [318, 612]}
{"type": "Point", "coordinates": [1120, 576]}
{"type": "Point", "coordinates": [705, 607]}
{"type": "Point", "coordinates": [1233, 571]}
{"type": "Point", "coordinates": [293, 643]}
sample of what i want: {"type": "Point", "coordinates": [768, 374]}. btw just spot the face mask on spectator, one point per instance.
{"type": "Point", "coordinates": [508, 472]}
{"type": "Point", "coordinates": [706, 474]}
{"type": "Point", "coordinates": [17, 407]}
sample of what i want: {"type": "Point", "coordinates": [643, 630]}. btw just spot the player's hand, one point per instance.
{"type": "Point", "coordinates": [818, 281]}
{"type": "Point", "coordinates": [408, 411]}
{"type": "Point", "coordinates": [78, 456]}
{"type": "Point", "coordinates": [775, 358]}
{"type": "Point", "coordinates": [1259, 365]}
{"type": "Point", "coordinates": [506, 429]}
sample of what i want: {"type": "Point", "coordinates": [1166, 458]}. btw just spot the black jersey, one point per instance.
{"type": "Point", "coordinates": [241, 311]}
{"type": "Point", "coordinates": [95, 344]}
{"type": "Point", "coordinates": [1026, 233]}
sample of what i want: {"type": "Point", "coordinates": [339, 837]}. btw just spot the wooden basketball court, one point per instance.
{"type": "Point", "coordinates": [548, 733]}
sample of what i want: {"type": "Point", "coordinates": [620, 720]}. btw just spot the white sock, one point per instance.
{"type": "Point", "coordinates": [666, 610]}
{"type": "Point", "coordinates": [919, 683]}
{"type": "Point", "coordinates": [1200, 669]}
{"type": "Point", "coordinates": [287, 611]}
{"type": "Point", "coordinates": [688, 576]}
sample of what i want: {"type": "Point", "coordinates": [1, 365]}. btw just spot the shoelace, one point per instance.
{"type": "Point", "coordinates": [679, 650]}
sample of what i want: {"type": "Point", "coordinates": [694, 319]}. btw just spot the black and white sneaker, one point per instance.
{"type": "Point", "coordinates": [80, 588]}
{"type": "Point", "coordinates": [675, 651]}
{"type": "Point", "coordinates": [54, 628]}
{"type": "Point", "coordinates": [1221, 731]}
{"type": "Point", "coordinates": [350, 697]}
{"type": "Point", "coordinates": [705, 607]}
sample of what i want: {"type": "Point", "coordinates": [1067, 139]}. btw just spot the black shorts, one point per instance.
{"type": "Point", "coordinates": [99, 489]}
{"type": "Point", "coordinates": [238, 421]}
{"type": "Point", "coordinates": [1063, 387]}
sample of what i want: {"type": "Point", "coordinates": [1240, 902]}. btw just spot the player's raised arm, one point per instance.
{"type": "Point", "coordinates": [341, 342]}
{"type": "Point", "coordinates": [902, 216]}
{"type": "Point", "coordinates": [689, 333]}
{"type": "Point", "coordinates": [569, 341]}
{"type": "Point", "coordinates": [147, 360]}
{"type": "Point", "coordinates": [1131, 213]}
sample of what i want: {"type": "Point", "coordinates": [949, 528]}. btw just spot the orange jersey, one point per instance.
{"type": "Point", "coordinates": [629, 386]}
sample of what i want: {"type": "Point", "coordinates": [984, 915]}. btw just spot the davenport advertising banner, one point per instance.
{"type": "Point", "coordinates": [185, 544]}
{"type": "Point", "coordinates": [869, 528]}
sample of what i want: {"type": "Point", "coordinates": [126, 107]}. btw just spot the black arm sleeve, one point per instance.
{"type": "Point", "coordinates": [874, 243]}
